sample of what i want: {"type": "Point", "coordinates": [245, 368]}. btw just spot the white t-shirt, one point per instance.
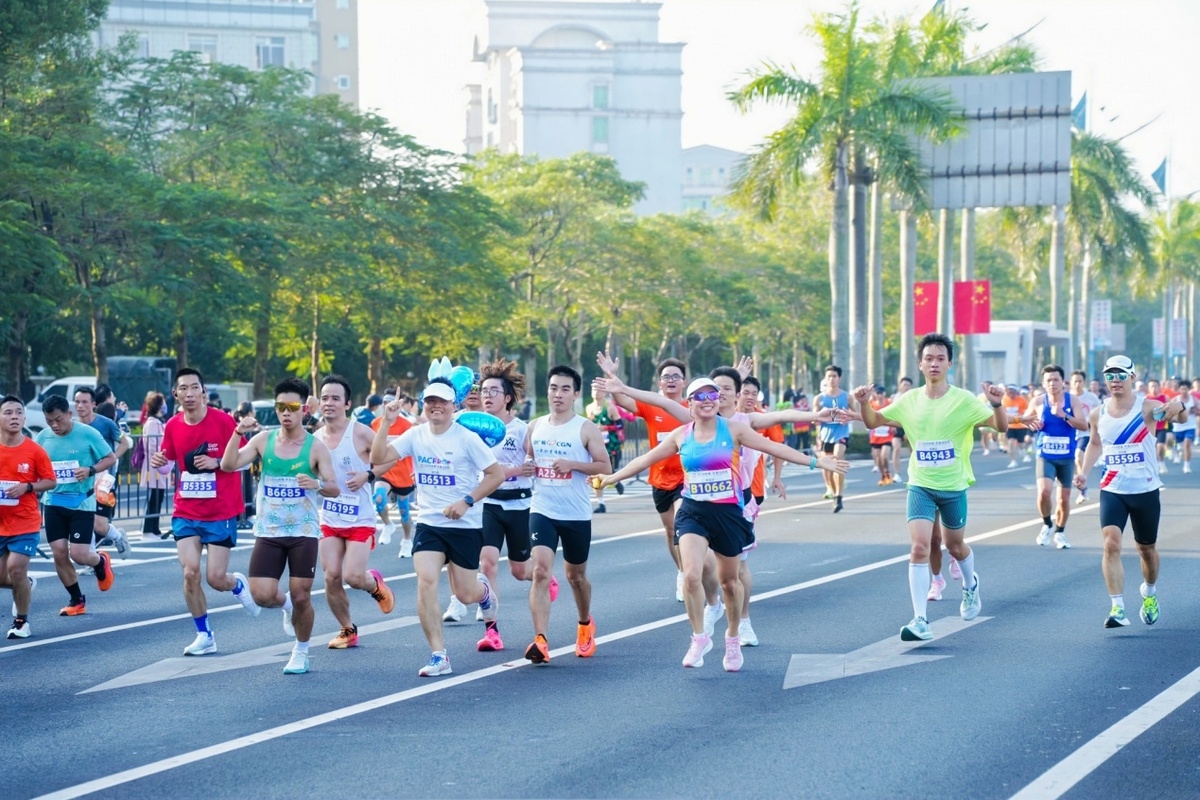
{"type": "Point", "coordinates": [511, 453]}
{"type": "Point", "coordinates": [446, 469]}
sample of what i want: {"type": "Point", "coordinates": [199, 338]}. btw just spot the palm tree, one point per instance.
{"type": "Point", "coordinates": [1176, 248]}
{"type": "Point", "coordinates": [851, 125]}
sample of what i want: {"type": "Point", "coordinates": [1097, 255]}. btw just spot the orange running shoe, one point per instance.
{"type": "Point", "coordinates": [347, 638]}
{"type": "Point", "coordinates": [75, 609]}
{"type": "Point", "coordinates": [585, 640]}
{"type": "Point", "coordinates": [105, 566]}
{"type": "Point", "coordinates": [539, 651]}
{"type": "Point", "coordinates": [382, 594]}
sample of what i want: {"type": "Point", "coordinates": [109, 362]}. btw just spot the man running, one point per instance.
{"type": "Point", "coordinates": [25, 470]}
{"type": "Point", "coordinates": [881, 438]}
{"type": "Point", "coordinates": [396, 484]}
{"type": "Point", "coordinates": [296, 468]}
{"type": "Point", "coordinates": [1088, 400]}
{"type": "Point", "coordinates": [119, 442]}
{"type": "Point", "coordinates": [1056, 415]}
{"type": "Point", "coordinates": [939, 421]}
{"type": "Point", "coordinates": [1121, 433]}
{"type": "Point", "coordinates": [1154, 391]}
{"type": "Point", "coordinates": [208, 502]}
{"type": "Point", "coordinates": [448, 461]}
{"type": "Point", "coordinates": [348, 520]}
{"type": "Point", "coordinates": [834, 435]}
{"type": "Point", "coordinates": [1185, 432]}
{"type": "Point", "coordinates": [566, 449]}
{"type": "Point", "coordinates": [1015, 406]}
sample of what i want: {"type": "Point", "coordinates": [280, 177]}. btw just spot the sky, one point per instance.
{"type": "Point", "coordinates": [1137, 60]}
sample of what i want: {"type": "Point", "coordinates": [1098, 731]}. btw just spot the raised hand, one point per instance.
{"type": "Point", "coordinates": [607, 365]}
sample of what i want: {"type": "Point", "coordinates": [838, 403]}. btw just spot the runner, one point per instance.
{"type": "Point", "coordinates": [448, 461]}
{"type": "Point", "coordinates": [78, 453]}
{"type": "Point", "coordinates": [834, 435]}
{"type": "Point", "coordinates": [940, 421]}
{"type": "Point", "coordinates": [666, 476]}
{"type": "Point", "coordinates": [1015, 405]}
{"type": "Point", "coordinates": [1056, 416]}
{"type": "Point", "coordinates": [1185, 432]}
{"type": "Point", "coordinates": [566, 449]}
{"type": "Point", "coordinates": [207, 502]}
{"type": "Point", "coordinates": [607, 416]}
{"type": "Point", "coordinates": [750, 402]}
{"type": "Point", "coordinates": [903, 385]}
{"type": "Point", "coordinates": [396, 484]}
{"type": "Point", "coordinates": [881, 438]}
{"type": "Point", "coordinates": [348, 520]}
{"type": "Point", "coordinates": [25, 470]}
{"type": "Point", "coordinates": [106, 484]}
{"type": "Point", "coordinates": [286, 525]}
{"type": "Point", "coordinates": [1088, 400]}
{"type": "Point", "coordinates": [711, 515]}
{"type": "Point", "coordinates": [1155, 392]}
{"type": "Point", "coordinates": [1120, 432]}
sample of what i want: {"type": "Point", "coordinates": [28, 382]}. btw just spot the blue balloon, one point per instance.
{"type": "Point", "coordinates": [488, 428]}
{"type": "Point", "coordinates": [462, 378]}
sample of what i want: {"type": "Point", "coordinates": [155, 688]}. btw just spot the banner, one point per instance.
{"type": "Point", "coordinates": [1101, 324]}
{"type": "Point", "coordinates": [1179, 337]}
{"type": "Point", "coordinates": [925, 307]}
{"type": "Point", "coordinates": [972, 307]}
{"type": "Point", "coordinates": [1160, 337]}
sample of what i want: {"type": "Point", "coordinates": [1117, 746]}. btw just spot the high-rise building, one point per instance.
{"type": "Point", "coordinates": [317, 35]}
{"type": "Point", "coordinates": [565, 76]}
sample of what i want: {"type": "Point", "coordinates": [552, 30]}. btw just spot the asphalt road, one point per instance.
{"type": "Point", "coordinates": [1034, 699]}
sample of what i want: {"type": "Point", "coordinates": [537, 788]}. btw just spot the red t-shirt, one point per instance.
{"type": "Point", "coordinates": [215, 431]}
{"type": "Point", "coordinates": [400, 476]}
{"type": "Point", "coordinates": [668, 473]}
{"type": "Point", "coordinates": [25, 463]}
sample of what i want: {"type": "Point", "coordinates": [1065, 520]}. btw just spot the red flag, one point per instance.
{"type": "Point", "coordinates": [925, 307]}
{"type": "Point", "coordinates": [972, 306]}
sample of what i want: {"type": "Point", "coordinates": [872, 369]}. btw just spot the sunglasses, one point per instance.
{"type": "Point", "coordinates": [293, 407]}
{"type": "Point", "coordinates": [706, 397]}
{"type": "Point", "coordinates": [1114, 377]}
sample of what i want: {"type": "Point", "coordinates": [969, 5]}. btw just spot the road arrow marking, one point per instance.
{"type": "Point", "coordinates": [890, 653]}
{"type": "Point", "coordinates": [190, 666]}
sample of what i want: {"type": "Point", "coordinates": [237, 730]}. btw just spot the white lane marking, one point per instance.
{"type": "Point", "coordinates": [1060, 778]}
{"type": "Point", "coordinates": [241, 742]}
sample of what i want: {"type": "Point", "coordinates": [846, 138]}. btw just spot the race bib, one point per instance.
{"type": "Point", "coordinates": [1122, 457]}
{"type": "Point", "coordinates": [278, 488]}
{"type": "Point", "coordinates": [344, 506]}
{"type": "Point", "coordinates": [711, 485]}
{"type": "Point", "coordinates": [435, 478]}
{"type": "Point", "coordinates": [1056, 445]}
{"type": "Point", "coordinates": [198, 485]}
{"type": "Point", "coordinates": [546, 474]}
{"type": "Point", "coordinates": [4, 499]}
{"type": "Point", "coordinates": [934, 455]}
{"type": "Point", "coordinates": [64, 471]}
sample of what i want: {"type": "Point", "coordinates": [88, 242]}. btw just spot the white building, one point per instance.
{"type": "Point", "coordinates": [317, 35]}
{"type": "Point", "coordinates": [708, 172]}
{"type": "Point", "coordinates": [564, 77]}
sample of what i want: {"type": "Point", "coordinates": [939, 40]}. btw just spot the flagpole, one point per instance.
{"type": "Point", "coordinates": [1169, 277]}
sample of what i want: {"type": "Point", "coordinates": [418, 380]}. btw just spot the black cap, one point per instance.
{"type": "Point", "coordinates": [214, 395]}
{"type": "Point", "coordinates": [374, 400]}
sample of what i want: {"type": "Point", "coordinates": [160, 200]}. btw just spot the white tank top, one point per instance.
{"type": "Point", "coordinates": [511, 453]}
{"type": "Point", "coordinates": [1130, 461]}
{"type": "Point", "coordinates": [556, 496]}
{"type": "Point", "coordinates": [349, 509]}
{"type": "Point", "coordinates": [747, 458]}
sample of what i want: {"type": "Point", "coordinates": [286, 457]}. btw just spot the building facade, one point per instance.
{"type": "Point", "coordinates": [565, 77]}
{"type": "Point", "coordinates": [708, 172]}
{"type": "Point", "coordinates": [317, 35]}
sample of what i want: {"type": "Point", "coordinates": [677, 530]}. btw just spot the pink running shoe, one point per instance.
{"type": "Point", "coordinates": [490, 641]}
{"type": "Point", "coordinates": [701, 644]}
{"type": "Point", "coordinates": [733, 654]}
{"type": "Point", "coordinates": [955, 570]}
{"type": "Point", "coordinates": [553, 588]}
{"type": "Point", "coordinates": [935, 587]}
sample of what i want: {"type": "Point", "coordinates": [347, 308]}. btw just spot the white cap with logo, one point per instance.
{"type": "Point", "coordinates": [1119, 364]}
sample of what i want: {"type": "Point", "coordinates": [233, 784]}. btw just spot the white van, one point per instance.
{"type": "Point", "coordinates": [35, 420]}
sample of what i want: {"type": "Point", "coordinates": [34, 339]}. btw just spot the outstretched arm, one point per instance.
{"type": "Point", "coordinates": [617, 388]}
{"type": "Point", "coordinates": [747, 437]}
{"type": "Point", "coordinates": [665, 449]}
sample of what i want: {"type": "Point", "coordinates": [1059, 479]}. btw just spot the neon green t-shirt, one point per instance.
{"type": "Point", "coordinates": [941, 433]}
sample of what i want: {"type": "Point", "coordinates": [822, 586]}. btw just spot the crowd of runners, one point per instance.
{"type": "Point", "coordinates": [325, 496]}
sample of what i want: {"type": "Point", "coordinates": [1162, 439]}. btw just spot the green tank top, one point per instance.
{"type": "Point", "coordinates": [278, 467]}
{"type": "Point", "coordinates": [284, 509]}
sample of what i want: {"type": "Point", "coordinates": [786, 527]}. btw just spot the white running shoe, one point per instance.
{"type": "Point", "coordinates": [119, 540]}
{"type": "Point", "coordinates": [1012, 464]}
{"type": "Point", "coordinates": [747, 635]}
{"type": "Point", "coordinates": [385, 536]}
{"type": "Point", "coordinates": [1060, 540]}
{"type": "Point", "coordinates": [245, 598]}
{"type": "Point", "coordinates": [711, 615]}
{"type": "Point", "coordinates": [32, 586]}
{"type": "Point", "coordinates": [1026, 459]}
{"type": "Point", "coordinates": [19, 631]}
{"type": "Point", "coordinates": [1187, 468]}
{"type": "Point", "coordinates": [439, 664]}
{"type": "Point", "coordinates": [701, 644]}
{"type": "Point", "coordinates": [297, 664]}
{"type": "Point", "coordinates": [288, 628]}
{"type": "Point", "coordinates": [972, 604]}
{"type": "Point", "coordinates": [455, 611]}
{"type": "Point", "coordinates": [406, 548]}
{"type": "Point", "coordinates": [203, 645]}
{"type": "Point", "coordinates": [1043, 537]}
{"type": "Point", "coordinates": [916, 631]}
{"type": "Point", "coordinates": [1162, 468]}
{"type": "Point", "coordinates": [679, 587]}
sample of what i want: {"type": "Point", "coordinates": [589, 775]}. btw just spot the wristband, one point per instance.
{"type": "Point", "coordinates": [29, 488]}
{"type": "Point", "coordinates": [996, 405]}
{"type": "Point", "coordinates": [371, 475]}
{"type": "Point", "coordinates": [812, 464]}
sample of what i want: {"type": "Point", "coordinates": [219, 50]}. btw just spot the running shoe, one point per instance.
{"type": "Point", "coordinates": [585, 639]}
{"type": "Point", "coordinates": [201, 646]}
{"type": "Point", "coordinates": [479, 614]}
{"type": "Point", "coordinates": [1116, 618]}
{"type": "Point", "coordinates": [916, 631]}
{"type": "Point", "coordinates": [553, 588]}
{"type": "Point", "coordinates": [838, 505]}
{"type": "Point", "coordinates": [346, 639]}
{"type": "Point", "coordinates": [1012, 464]}
{"type": "Point", "coordinates": [105, 582]}
{"type": "Point", "coordinates": [701, 644]}
{"type": "Point", "coordinates": [297, 664]}
{"type": "Point", "coordinates": [955, 570]}
{"type": "Point", "coordinates": [20, 629]}
{"type": "Point", "coordinates": [874, 468]}
{"type": "Point", "coordinates": [288, 627]}
{"type": "Point", "coordinates": [972, 604]}
{"type": "Point", "coordinates": [1043, 537]}
{"type": "Point", "coordinates": [733, 654]}
{"type": "Point", "coordinates": [1060, 541]}
{"type": "Point", "coordinates": [491, 641]}
{"type": "Point", "coordinates": [1187, 468]}
{"type": "Point", "coordinates": [711, 615]}
{"type": "Point", "coordinates": [383, 593]}
{"type": "Point", "coordinates": [244, 597]}
{"type": "Point", "coordinates": [74, 609]}
{"type": "Point", "coordinates": [1082, 498]}
{"type": "Point", "coordinates": [490, 602]}
{"type": "Point", "coordinates": [1026, 459]}
{"type": "Point", "coordinates": [679, 587]}
{"type": "Point", "coordinates": [1149, 612]}
{"type": "Point", "coordinates": [385, 536]}
{"type": "Point", "coordinates": [406, 548]}
{"type": "Point", "coordinates": [935, 588]}
{"type": "Point", "coordinates": [32, 586]}
{"type": "Point", "coordinates": [600, 509]}
{"type": "Point", "coordinates": [439, 664]}
{"type": "Point", "coordinates": [897, 479]}
{"type": "Point", "coordinates": [747, 635]}
{"type": "Point", "coordinates": [455, 611]}
{"type": "Point", "coordinates": [1162, 468]}
{"type": "Point", "coordinates": [620, 487]}
{"type": "Point", "coordinates": [539, 651]}
{"type": "Point", "coordinates": [827, 496]}
{"type": "Point", "coordinates": [117, 538]}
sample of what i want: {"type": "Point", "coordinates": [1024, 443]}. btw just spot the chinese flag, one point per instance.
{"type": "Point", "coordinates": [972, 306]}
{"type": "Point", "coordinates": [925, 307]}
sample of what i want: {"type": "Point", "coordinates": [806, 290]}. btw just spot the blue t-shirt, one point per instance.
{"type": "Point", "coordinates": [82, 447]}
{"type": "Point", "coordinates": [834, 431]}
{"type": "Point", "coordinates": [111, 432]}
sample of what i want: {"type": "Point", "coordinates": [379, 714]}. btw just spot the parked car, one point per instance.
{"type": "Point", "coordinates": [131, 377]}
{"type": "Point", "coordinates": [264, 412]}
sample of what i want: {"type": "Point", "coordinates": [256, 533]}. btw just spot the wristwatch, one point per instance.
{"type": "Point", "coordinates": [470, 501]}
